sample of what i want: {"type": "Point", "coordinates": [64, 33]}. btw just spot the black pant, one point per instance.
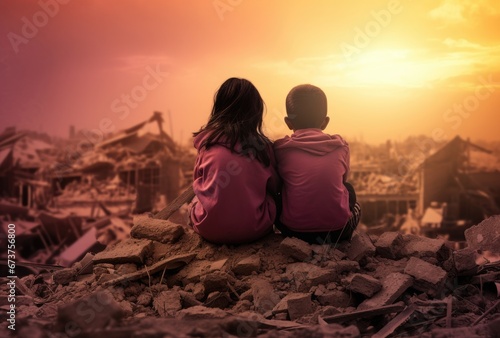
{"type": "Point", "coordinates": [325, 237]}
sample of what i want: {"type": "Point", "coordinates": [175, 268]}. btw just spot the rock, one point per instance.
{"type": "Point", "coordinates": [485, 236]}
{"type": "Point", "coordinates": [296, 248]}
{"type": "Point", "coordinates": [335, 298]}
{"type": "Point", "coordinates": [361, 247]}
{"type": "Point", "coordinates": [215, 281]}
{"type": "Point", "coordinates": [128, 251]}
{"type": "Point", "coordinates": [321, 276]}
{"type": "Point", "coordinates": [218, 299]}
{"type": "Point", "coordinates": [465, 261]}
{"type": "Point", "coordinates": [341, 267]}
{"type": "Point", "coordinates": [305, 275]}
{"type": "Point", "coordinates": [264, 297]}
{"type": "Point", "coordinates": [364, 284]}
{"type": "Point", "coordinates": [167, 303]}
{"type": "Point", "coordinates": [201, 312]}
{"type": "Point", "coordinates": [93, 312]}
{"type": "Point", "coordinates": [247, 265]}
{"type": "Point", "coordinates": [389, 245]}
{"type": "Point", "coordinates": [64, 276]}
{"type": "Point", "coordinates": [144, 299]}
{"type": "Point", "coordinates": [299, 305]}
{"type": "Point", "coordinates": [423, 247]}
{"type": "Point", "coordinates": [393, 286]}
{"type": "Point", "coordinates": [123, 269]}
{"type": "Point", "coordinates": [188, 299]}
{"type": "Point", "coordinates": [156, 229]}
{"type": "Point", "coordinates": [428, 278]}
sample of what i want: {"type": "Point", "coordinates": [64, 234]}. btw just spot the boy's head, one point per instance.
{"type": "Point", "coordinates": [306, 107]}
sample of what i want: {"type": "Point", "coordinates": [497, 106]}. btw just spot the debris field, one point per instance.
{"type": "Point", "coordinates": [166, 281]}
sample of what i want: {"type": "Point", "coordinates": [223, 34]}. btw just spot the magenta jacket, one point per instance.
{"type": "Point", "coordinates": [234, 200]}
{"type": "Point", "coordinates": [313, 166]}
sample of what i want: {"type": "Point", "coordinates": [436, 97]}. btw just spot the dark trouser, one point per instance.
{"type": "Point", "coordinates": [325, 237]}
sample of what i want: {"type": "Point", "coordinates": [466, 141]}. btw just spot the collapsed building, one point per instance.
{"type": "Point", "coordinates": [459, 186]}
{"type": "Point", "coordinates": [66, 205]}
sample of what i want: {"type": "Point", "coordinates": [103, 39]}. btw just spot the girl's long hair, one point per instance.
{"type": "Point", "coordinates": [236, 121]}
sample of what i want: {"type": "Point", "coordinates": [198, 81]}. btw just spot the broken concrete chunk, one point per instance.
{"type": "Point", "coordinates": [264, 297]}
{"type": "Point", "coordinates": [321, 276]}
{"type": "Point", "coordinates": [215, 281]}
{"type": "Point", "coordinates": [296, 248]}
{"type": "Point", "coordinates": [361, 247]}
{"type": "Point", "coordinates": [156, 229]}
{"type": "Point", "coordinates": [201, 312]}
{"type": "Point", "coordinates": [335, 298]}
{"type": "Point", "coordinates": [485, 236]}
{"type": "Point", "coordinates": [99, 309]}
{"type": "Point", "coordinates": [247, 265]}
{"type": "Point", "coordinates": [64, 276]}
{"type": "Point", "coordinates": [167, 303]}
{"type": "Point", "coordinates": [393, 286]}
{"type": "Point", "coordinates": [465, 261]}
{"type": "Point", "coordinates": [218, 299]}
{"type": "Point", "coordinates": [423, 247]}
{"type": "Point", "coordinates": [428, 278]}
{"type": "Point", "coordinates": [123, 269]}
{"type": "Point", "coordinates": [128, 251]}
{"type": "Point", "coordinates": [341, 267]}
{"type": "Point", "coordinates": [389, 245]}
{"type": "Point", "coordinates": [364, 284]}
{"type": "Point", "coordinates": [299, 305]}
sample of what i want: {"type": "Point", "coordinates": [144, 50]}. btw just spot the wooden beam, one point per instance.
{"type": "Point", "coordinates": [344, 317]}
{"type": "Point", "coordinates": [185, 197]}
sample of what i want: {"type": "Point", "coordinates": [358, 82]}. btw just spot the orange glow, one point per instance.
{"type": "Point", "coordinates": [390, 68]}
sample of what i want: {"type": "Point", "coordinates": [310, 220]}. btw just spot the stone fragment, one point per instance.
{"type": "Point", "coordinates": [465, 261]}
{"type": "Point", "coordinates": [167, 303]}
{"type": "Point", "coordinates": [123, 269]}
{"type": "Point", "coordinates": [247, 265]}
{"type": "Point", "coordinates": [485, 236]}
{"type": "Point", "coordinates": [335, 298]}
{"type": "Point", "coordinates": [296, 248]}
{"type": "Point", "coordinates": [428, 278]}
{"type": "Point", "coordinates": [364, 284]}
{"type": "Point", "coordinates": [423, 247]}
{"type": "Point", "coordinates": [100, 307]}
{"type": "Point", "coordinates": [144, 299]}
{"type": "Point", "coordinates": [299, 305]}
{"type": "Point", "coordinates": [64, 276]}
{"type": "Point", "coordinates": [218, 299]}
{"type": "Point", "coordinates": [389, 245]}
{"type": "Point", "coordinates": [264, 297]}
{"type": "Point", "coordinates": [361, 247]}
{"type": "Point", "coordinates": [393, 286]}
{"type": "Point", "coordinates": [188, 299]}
{"type": "Point", "coordinates": [128, 251]}
{"type": "Point", "coordinates": [158, 230]}
{"type": "Point", "coordinates": [201, 312]}
{"type": "Point", "coordinates": [344, 266]}
{"type": "Point", "coordinates": [215, 281]}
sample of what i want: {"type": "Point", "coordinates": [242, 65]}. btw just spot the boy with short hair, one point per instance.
{"type": "Point", "coordinates": [318, 204]}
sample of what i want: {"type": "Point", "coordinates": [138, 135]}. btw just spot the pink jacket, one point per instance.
{"type": "Point", "coordinates": [313, 166]}
{"type": "Point", "coordinates": [233, 202]}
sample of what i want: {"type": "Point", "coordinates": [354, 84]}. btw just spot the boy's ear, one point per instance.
{"type": "Point", "coordinates": [289, 122]}
{"type": "Point", "coordinates": [325, 122]}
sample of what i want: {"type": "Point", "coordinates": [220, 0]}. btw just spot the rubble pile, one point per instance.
{"type": "Point", "coordinates": [165, 281]}
{"type": "Point", "coordinates": [373, 183]}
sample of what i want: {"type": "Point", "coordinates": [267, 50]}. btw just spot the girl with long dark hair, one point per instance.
{"type": "Point", "coordinates": [235, 179]}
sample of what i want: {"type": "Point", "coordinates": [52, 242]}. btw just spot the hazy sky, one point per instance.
{"type": "Point", "coordinates": [389, 68]}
